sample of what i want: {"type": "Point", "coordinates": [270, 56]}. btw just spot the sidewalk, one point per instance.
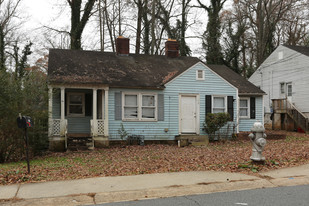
{"type": "Point", "coordinates": [121, 188]}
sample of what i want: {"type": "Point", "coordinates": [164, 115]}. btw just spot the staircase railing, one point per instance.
{"type": "Point", "coordinates": [285, 106]}
{"type": "Point", "coordinates": [297, 116]}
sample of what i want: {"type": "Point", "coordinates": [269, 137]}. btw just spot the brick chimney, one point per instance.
{"type": "Point", "coordinates": [122, 46]}
{"type": "Point", "coordinates": [171, 48]}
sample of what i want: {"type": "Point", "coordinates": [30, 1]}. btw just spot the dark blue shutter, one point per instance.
{"type": "Point", "coordinates": [230, 107]}
{"type": "Point", "coordinates": [118, 105]}
{"type": "Point", "coordinates": [252, 107]}
{"type": "Point", "coordinates": [207, 104]}
{"type": "Point", "coordinates": [160, 107]}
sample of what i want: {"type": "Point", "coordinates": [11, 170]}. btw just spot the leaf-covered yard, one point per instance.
{"type": "Point", "coordinates": [230, 156]}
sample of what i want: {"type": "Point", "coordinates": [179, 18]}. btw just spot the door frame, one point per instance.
{"type": "Point", "coordinates": [290, 98]}
{"type": "Point", "coordinates": [197, 106]}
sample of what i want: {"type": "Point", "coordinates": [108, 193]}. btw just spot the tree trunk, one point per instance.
{"type": "Point", "coordinates": [77, 23]}
{"type": "Point", "coordinates": [2, 50]}
{"type": "Point", "coordinates": [146, 28]}
{"type": "Point", "coordinates": [139, 4]}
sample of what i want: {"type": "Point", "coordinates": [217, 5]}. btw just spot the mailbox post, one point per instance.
{"type": "Point", "coordinates": [25, 122]}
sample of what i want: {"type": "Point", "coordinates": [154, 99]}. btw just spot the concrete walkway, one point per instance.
{"type": "Point", "coordinates": [121, 188]}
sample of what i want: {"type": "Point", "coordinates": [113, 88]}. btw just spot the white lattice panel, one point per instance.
{"type": "Point", "coordinates": [56, 127]}
{"type": "Point", "coordinates": [100, 127]}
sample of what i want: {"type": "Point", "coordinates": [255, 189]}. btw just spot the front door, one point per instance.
{"type": "Point", "coordinates": [188, 114]}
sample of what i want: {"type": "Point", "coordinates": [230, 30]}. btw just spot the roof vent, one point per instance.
{"type": "Point", "coordinates": [171, 48]}
{"type": "Point", "coordinates": [122, 46]}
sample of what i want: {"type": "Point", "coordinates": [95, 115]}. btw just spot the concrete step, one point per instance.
{"type": "Point", "coordinates": [195, 140]}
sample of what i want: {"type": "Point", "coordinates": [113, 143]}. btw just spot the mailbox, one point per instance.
{"type": "Point", "coordinates": [24, 122]}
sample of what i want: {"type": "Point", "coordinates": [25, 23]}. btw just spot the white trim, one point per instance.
{"type": "Point", "coordinates": [140, 106]}
{"type": "Point", "coordinates": [50, 110]}
{"type": "Point", "coordinates": [212, 102]}
{"type": "Point", "coordinates": [94, 104]}
{"type": "Point", "coordinates": [203, 74]}
{"type": "Point", "coordinates": [82, 86]}
{"type": "Point", "coordinates": [248, 107]}
{"type": "Point", "coordinates": [106, 121]}
{"type": "Point", "coordinates": [62, 102]}
{"type": "Point", "coordinates": [197, 105]}
{"type": "Point", "coordinates": [83, 104]}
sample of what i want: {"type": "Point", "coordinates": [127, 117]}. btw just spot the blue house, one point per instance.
{"type": "Point", "coordinates": [96, 94]}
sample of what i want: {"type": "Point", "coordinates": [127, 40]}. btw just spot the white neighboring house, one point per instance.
{"type": "Point", "coordinates": [284, 76]}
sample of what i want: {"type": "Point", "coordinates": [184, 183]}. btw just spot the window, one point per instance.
{"type": "Point", "coordinates": [282, 88]}
{"type": "Point", "coordinates": [244, 107]}
{"type": "Point", "coordinates": [76, 104]}
{"type": "Point", "coordinates": [140, 107]}
{"type": "Point", "coordinates": [219, 104]}
{"type": "Point", "coordinates": [130, 107]}
{"type": "Point", "coordinates": [200, 75]}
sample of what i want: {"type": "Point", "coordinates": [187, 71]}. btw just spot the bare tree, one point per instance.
{"type": "Point", "coordinates": [264, 16]}
{"type": "Point", "coordinates": [8, 12]}
{"type": "Point", "coordinates": [79, 20]}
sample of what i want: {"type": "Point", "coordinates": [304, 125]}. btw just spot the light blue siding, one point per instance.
{"type": "Point", "coordinates": [246, 124]}
{"type": "Point", "coordinates": [186, 83]}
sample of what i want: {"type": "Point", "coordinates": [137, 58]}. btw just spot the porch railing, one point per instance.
{"type": "Point", "coordinates": [58, 127]}
{"type": "Point", "coordinates": [97, 127]}
{"type": "Point", "coordinates": [285, 106]}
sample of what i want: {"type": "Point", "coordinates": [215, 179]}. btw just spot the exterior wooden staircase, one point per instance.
{"type": "Point", "coordinates": [79, 142]}
{"type": "Point", "coordinates": [284, 106]}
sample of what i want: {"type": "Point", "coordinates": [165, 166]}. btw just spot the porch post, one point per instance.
{"type": "Point", "coordinates": [62, 103]}
{"type": "Point", "coordinates": [94, 113]}
{"type": "Point", "coordinates": [57, 143]}
{"type": "Point", "coordinates": [99, 141]}
{"type": "Point", "coordinates": [50, 110]}
{"type": "Point", "coordinates": [106, 112]}
{"type": "Point", "coordinates": [94, 105]}
{"type": "Point", "coordinates": [62, 111]}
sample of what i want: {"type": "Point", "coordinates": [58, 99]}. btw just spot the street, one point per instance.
{"type": "Point", "coordinates": [279, 196]}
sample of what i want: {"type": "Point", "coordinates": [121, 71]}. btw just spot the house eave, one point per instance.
{"type": "Point", "coordinates": [252, 94]}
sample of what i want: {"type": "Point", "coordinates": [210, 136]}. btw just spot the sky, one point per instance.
{"type": "Point", "coordinates": [53, 14]}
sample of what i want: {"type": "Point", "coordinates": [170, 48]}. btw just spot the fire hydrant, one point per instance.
{"type": "Point", "coordinates": [258, 141]}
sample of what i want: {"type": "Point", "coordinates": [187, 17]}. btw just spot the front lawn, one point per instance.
{"type": "Point", "coordinates": [229, 156]}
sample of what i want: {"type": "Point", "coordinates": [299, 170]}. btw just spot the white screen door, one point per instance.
{"type": "Point", "coordinates": [188, 114]}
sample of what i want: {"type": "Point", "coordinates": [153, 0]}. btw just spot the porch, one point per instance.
{"type": "Point", "coordinates": [287, 116]}
{"type": "Point", "coordinates": [78, 114]}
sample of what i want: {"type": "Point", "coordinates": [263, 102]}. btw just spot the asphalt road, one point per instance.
{"type": "Point", "coordinates": [279, 196]}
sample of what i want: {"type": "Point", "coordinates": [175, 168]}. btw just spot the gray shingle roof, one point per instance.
{"type": "Point", "coordinates": [301, 49]}
{"type": "Point", "coordinates": [133, 71]}
{"type": "Point", "coordinates": [243, 85]}
{"type": "Point", "coordinates": [91, 67]}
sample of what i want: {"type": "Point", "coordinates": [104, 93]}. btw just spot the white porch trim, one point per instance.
{"type": "Point", "coordinates": [106, 112]}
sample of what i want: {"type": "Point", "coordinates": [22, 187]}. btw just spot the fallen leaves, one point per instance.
{"type": "Point", "coordinates": [229, 156]}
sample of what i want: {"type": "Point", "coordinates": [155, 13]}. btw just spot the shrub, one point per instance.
{"type": "Point", "coordinates": [213, 123]}
{"type": "Point", "coordinates": [28, 96]}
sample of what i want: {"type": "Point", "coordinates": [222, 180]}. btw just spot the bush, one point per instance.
{"type": "Point", "coordinates": [28, 96]}
{"type": "Point", "coordinates": [213, 123]}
